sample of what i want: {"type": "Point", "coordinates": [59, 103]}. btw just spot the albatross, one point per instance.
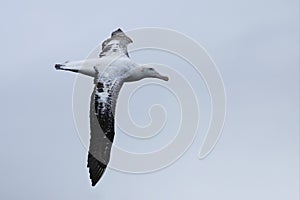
{"type": "Point", "coordinates": [110, 71]}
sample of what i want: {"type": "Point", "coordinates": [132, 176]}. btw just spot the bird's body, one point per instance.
{"type": "Point", "coordinates": [110, 71]}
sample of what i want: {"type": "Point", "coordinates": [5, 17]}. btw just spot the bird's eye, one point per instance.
{"type": "Point", "coordinates": [151, 69]}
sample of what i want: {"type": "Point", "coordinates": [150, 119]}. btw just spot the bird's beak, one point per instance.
{"type": "Point", "coordinates": [165, 78]}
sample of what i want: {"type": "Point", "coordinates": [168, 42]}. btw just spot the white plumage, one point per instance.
{"type": "Point", "coordinates": [110, 71]}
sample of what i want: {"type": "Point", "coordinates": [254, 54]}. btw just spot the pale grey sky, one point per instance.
{"type": "Point", "coordinates": [255, 44]}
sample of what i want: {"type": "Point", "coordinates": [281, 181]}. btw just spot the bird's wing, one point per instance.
{"type": "Point", "coordinates": [102, 110]}
{"type": "Point", "coordinates": [116, 45]}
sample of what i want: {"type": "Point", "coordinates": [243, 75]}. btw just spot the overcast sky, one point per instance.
{"type": "Point", "coordinates": [255, 45]}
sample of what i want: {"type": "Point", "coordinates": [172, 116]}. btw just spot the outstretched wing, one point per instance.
{"type": "Point", "coordinates": [102, 110]}
{"type": "Point", "coordinates": [116, 44]}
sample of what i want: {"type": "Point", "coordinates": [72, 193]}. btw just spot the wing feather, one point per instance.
{"type": "Point", "coordinates": [102, 110]}
{"type": "Point", "coordinates": [116, 45]}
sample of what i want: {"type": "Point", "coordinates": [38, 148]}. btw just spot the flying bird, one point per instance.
{"type": "Point", "coordinates": [110, 71]}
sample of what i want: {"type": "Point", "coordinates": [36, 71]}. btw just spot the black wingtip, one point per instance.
{"type": "Point", "coordinates": [96, 169]}
{"type": "Point", "coordinates": [119, 30]}
{"type": "Point", "coordinates": [58, 66]}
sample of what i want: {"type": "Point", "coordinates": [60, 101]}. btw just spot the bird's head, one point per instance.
{"type": "Point", "coordinates": [150, 72]}
{"type": "Point", "coordinates": [142, 72]}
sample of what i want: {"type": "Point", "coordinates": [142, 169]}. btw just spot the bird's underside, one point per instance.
{"type": "Point", "coordinates": [102, 109]}
{"type": "Point", "coordinates": [102, 115]}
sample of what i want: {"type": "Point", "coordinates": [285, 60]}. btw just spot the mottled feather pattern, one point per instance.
{"type": "Point", "coordinates": [116, 44]}
{"type": "Point", "coordinates": [102, 110]}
